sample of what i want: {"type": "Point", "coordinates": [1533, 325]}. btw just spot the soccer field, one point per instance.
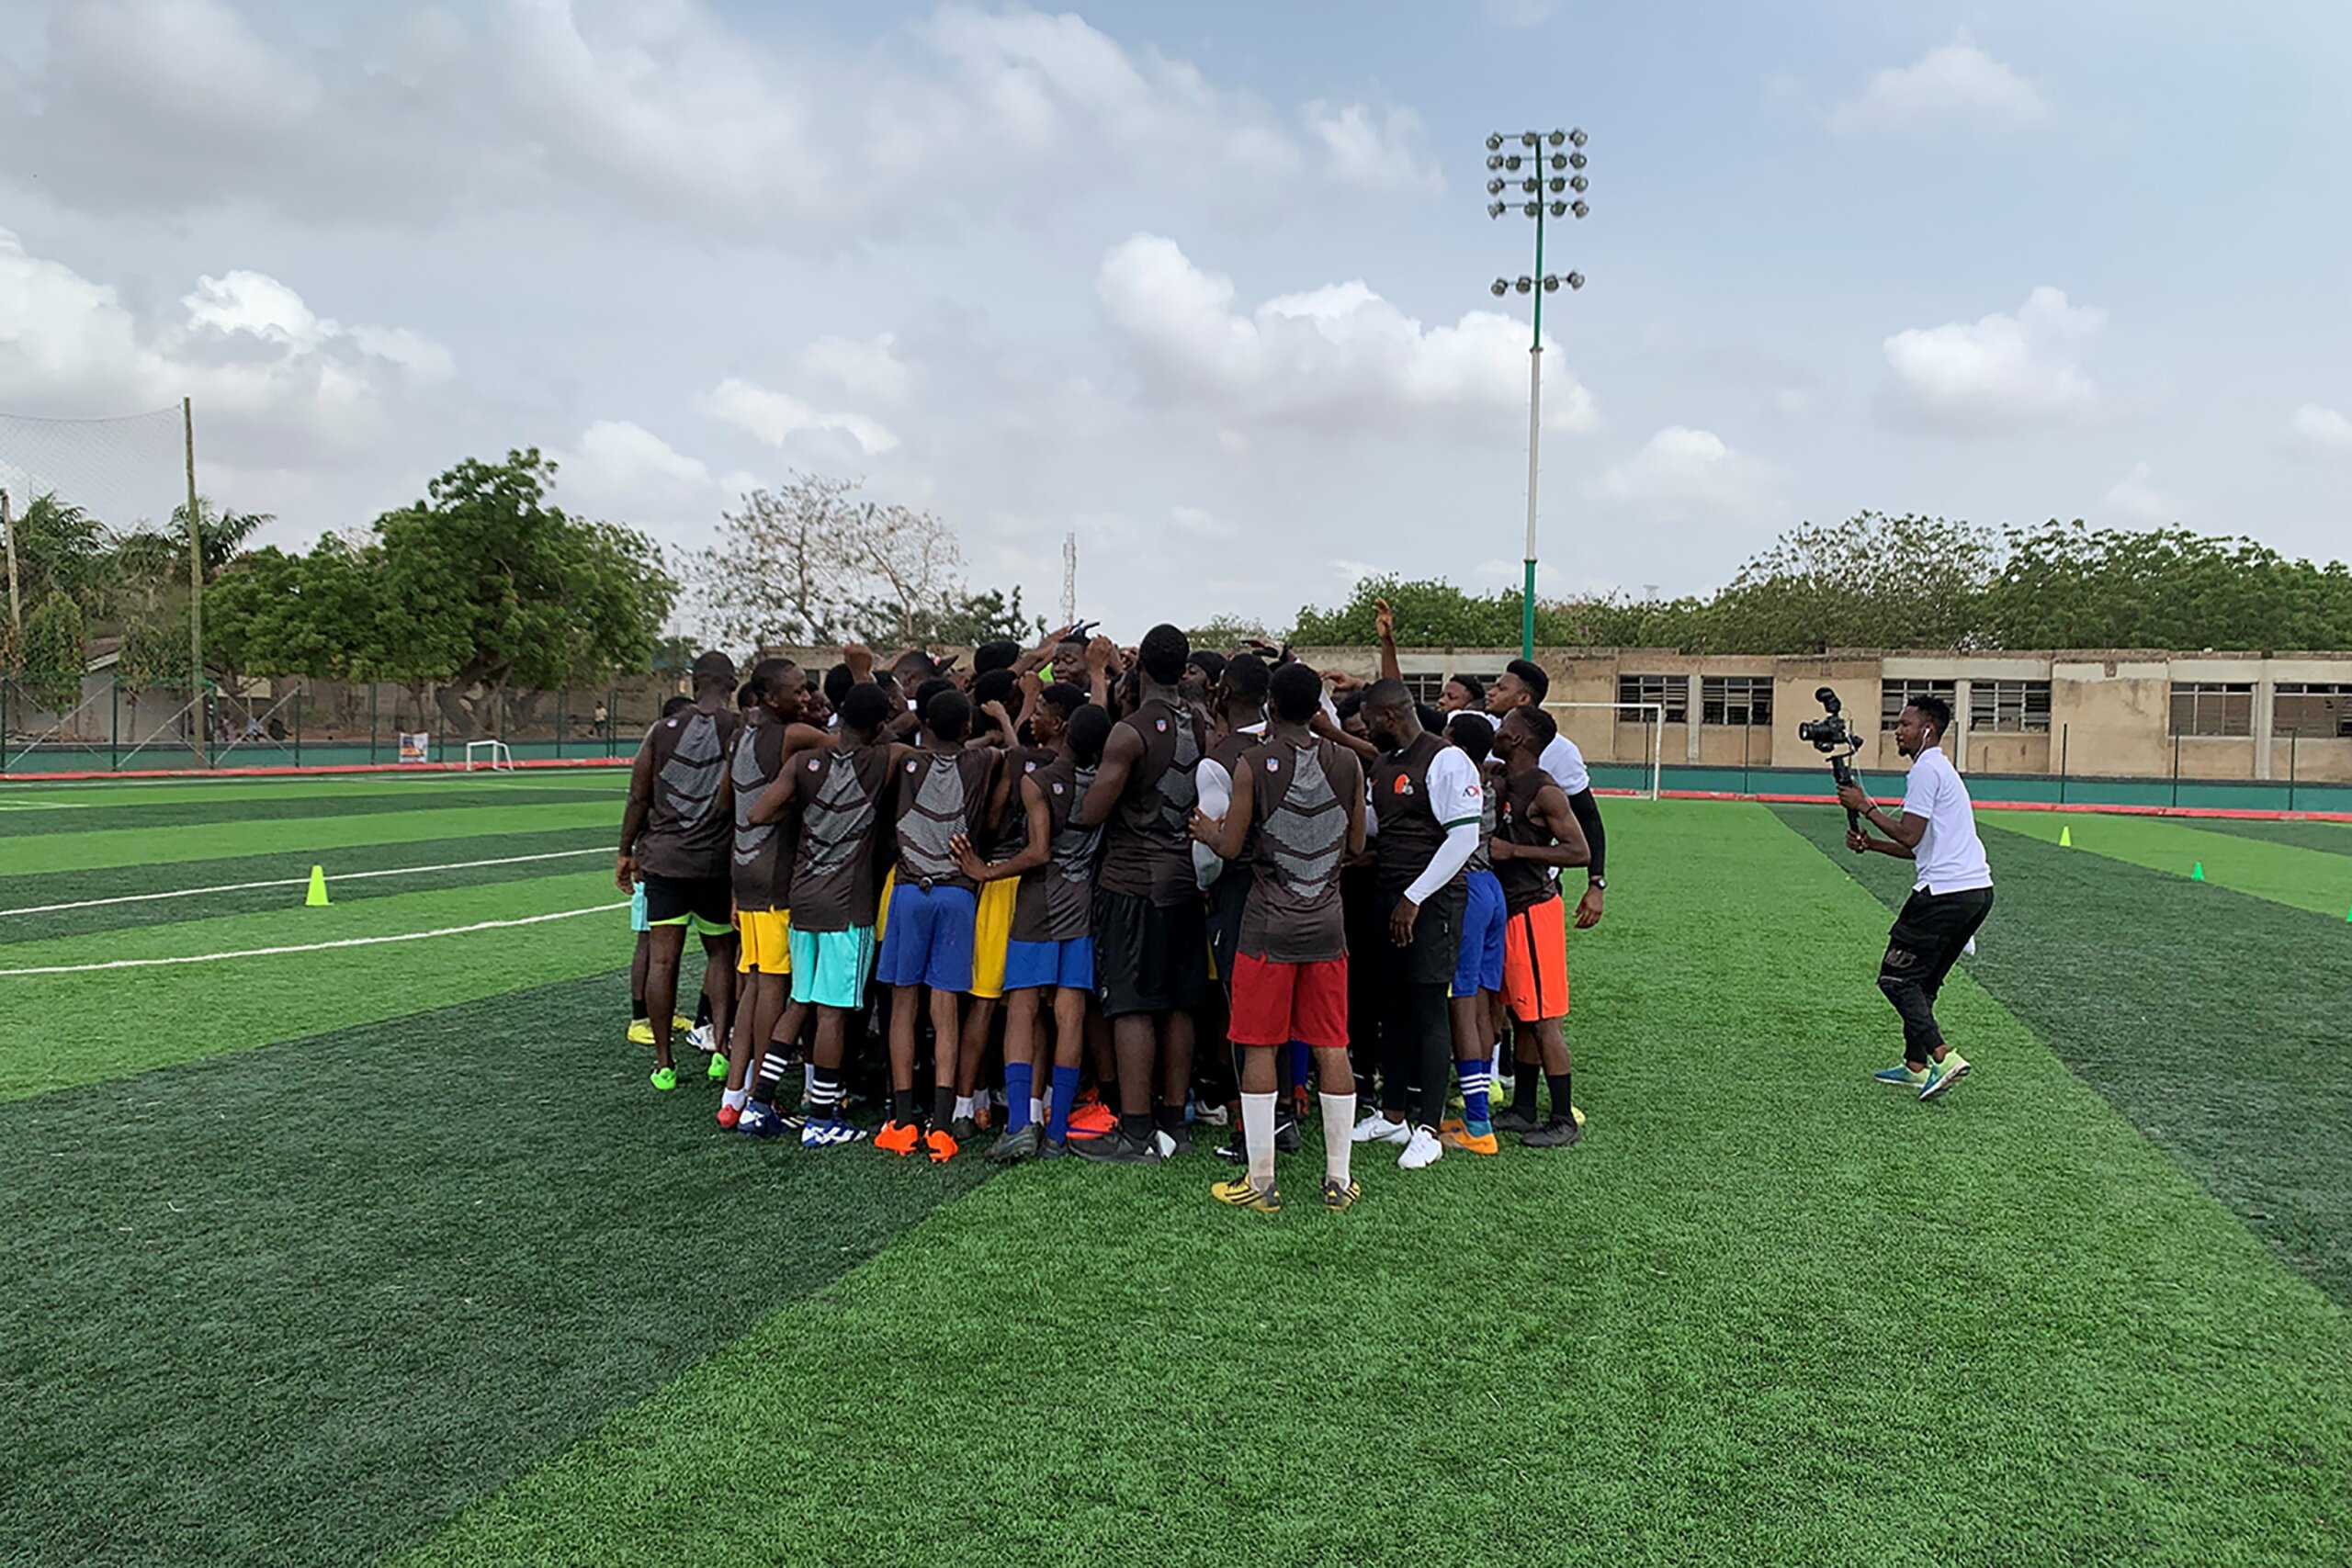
{"type": "Point", "coordinates": [362, 1238]}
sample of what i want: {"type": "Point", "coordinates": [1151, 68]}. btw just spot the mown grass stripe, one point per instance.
{"type": "Point", "coordinates": [205, 814]}
{"type": "Point", "coordinates": [2334, 838]}
{"type": "Point", "coordinates": [298, 1305]}
{"type": "Point", "coordinates": [75, 1029]}
{"type": "Point", "coordinates": [223, 840]}
{"type": "Point", "coordinates": [1999, 1330]}
{"type": "Point", "coordinates": [111, 794]}
{"type": "Point", "coordinates": [2213, 1020]}
{"type": "Point", "coordinates": [2281, 873]}
{"type": "Point", "coordinates": [220, 887]}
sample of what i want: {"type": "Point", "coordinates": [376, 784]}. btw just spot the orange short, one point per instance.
{"type": "Point", "coordinates": [1535, 962]}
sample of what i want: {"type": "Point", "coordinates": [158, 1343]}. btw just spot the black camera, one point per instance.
{"type": "Point", "coordinates": [1835, 739]}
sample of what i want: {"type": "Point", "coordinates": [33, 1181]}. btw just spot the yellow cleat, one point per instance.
{"type": "Point", "coordinates": [640, 1033]}
{"type": "Point", "coordinates": [1338, 1194]}
{"type": "Point", "coordinates": [1238, 1193]}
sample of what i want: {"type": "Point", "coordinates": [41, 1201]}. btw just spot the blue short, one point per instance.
{"type": "Point", "coordinates": [830, 968]}
{"type": "Point", "coordinates": [637, 921]}
{"type": "Point", "coordinates": [1480, 965]}
{"type": "Point", "coordinates": [928, 940]}
{"type": "Point", "coordinates": [1029, 965]}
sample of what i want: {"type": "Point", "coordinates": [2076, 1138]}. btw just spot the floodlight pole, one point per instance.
{"type": "Point", "coordinates": [1534, 441]}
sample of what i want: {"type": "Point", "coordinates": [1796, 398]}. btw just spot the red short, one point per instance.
{"type": "Point", "coordinates": [1535, 962]}
{"type": "Point", "coordinates": [1274, 1004]}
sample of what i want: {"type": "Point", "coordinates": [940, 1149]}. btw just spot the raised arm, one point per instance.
{"type": "Point", "coordinates": [1386, 620]}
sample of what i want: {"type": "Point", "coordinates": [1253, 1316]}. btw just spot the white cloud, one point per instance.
{"type": "Point", "coordinates": [1956, 82]}
{"type": "Point", "coordinates": [777, 417]}
{"type": "Point", "coordinates": [1201, 524]}
{"type": "Point", "coordinates": [271, 376]}
{"type": "Point", "coordinates": [1519, 13]}
{"type": "Point", "coordinates": [871, 371]}
{"type": "Point", "coordinates": [2317, 432]}
{"type": "Point", "coordinates": [2001, 372]}
{"type": "Point", "coordinates": [1683, 475]}
{"type": "Point", "coordinates": [655, 111]}
{"type": "Point", "coordinates": [1338, 358]}
{"type": "Point", "coordinates": [1378, 152]}
{"type": "Point", "coordinates": [2135, 499]}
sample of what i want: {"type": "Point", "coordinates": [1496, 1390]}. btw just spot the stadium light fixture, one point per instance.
{"type": "Point", "coordinates": [1544, 189]}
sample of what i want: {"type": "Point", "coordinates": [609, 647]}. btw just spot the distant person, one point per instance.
{"type": "Point", "coordinates": [1949, 901]}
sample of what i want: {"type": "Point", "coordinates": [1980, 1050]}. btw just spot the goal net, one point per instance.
{"type": "Point", "coordinates": [1622, 742]}
{"type": "Point", "coordinates": [97, 664]}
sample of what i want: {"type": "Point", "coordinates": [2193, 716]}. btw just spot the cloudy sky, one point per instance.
{"type": "Point", "coordinates": [1206, 283]}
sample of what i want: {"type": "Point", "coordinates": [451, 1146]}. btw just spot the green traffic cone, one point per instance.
{"type": "Point", "coordinates": [317, 898]}
{"type": "Point", "coordinates": [2197, 871]}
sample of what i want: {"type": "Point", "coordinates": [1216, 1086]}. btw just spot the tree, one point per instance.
{"type": "Point", "coordinates": [2065, 585]}
{"type": "Point", "coordinates": [60, 548]}
{"type": "Point", "coordinates": [1224, 633]}
{"type": "Point", "coordinates": [1870, 582]}
{"type": "Point", "coordinates": [958, 618]}
{"type": "Point", "coordinates": [53, 652]}
{"type": "Point", "coordinates": [1429, 614]}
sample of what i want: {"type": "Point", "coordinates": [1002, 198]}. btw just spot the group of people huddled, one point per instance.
{"type": "Point", "coordinates": [1164, 888]}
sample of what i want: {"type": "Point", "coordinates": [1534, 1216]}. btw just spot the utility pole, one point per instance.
{"type": "Point", "coordinates": [1546, 196]}
{"type": "Point", "coordinates": [8, 543]}
{"type": "Point", "coordinates": [1070, 578]}
{"type": "Point", "coordinates": [198, 720]}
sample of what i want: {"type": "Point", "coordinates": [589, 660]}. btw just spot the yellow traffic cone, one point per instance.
{"type": "Point", "coordinates": [2065, 837]}
{"type": "Point", "coordinates": [317, 898]}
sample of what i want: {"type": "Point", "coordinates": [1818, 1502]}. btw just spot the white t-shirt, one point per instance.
{"type": "Point", "coordinates": [1949, 855]}
{"type": "Point", "coordinates": [1565, 764]}
{"type": "Point", "coordinates": [1214, 786]}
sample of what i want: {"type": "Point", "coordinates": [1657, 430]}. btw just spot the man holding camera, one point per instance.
{"type": "Point", "coordinates": [1949, 900]}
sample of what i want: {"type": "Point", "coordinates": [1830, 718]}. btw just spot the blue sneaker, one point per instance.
{"type": "Point", "coordinates": [1902, 1077]}
{"type": "Point", "coordinates": [1944, 1074]}
{"type": "Point", "coordinates": [759, 1121]}
{"type": "Point", "coordinates": [829, 1133]}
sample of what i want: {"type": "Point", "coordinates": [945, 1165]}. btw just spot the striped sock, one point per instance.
{"type": "Point", "coordinates": [1476, 1081]}
{"type": "Point", "coordinates": [1065, 1095]}
{"type": "Point", "coordinates": [824, 1094]}
{"type": "Point", "coordinates": [1017, 1095]}
{"type": "Point", "coordinates": [773, 1067]}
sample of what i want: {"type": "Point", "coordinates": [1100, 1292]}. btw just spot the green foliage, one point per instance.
{"type": "Point", "coordinates": [154, 652]}
{"type": "Point", "coordinates": [50, 655]}
{"type": "Point", "coordinates": [958, 617]}
{"type": "Point", "coordinates": [2065, 585]}
{"type": "Point", "coordinates": [60, 548]}
{"type": "Point", "coordinates": [1871, 581]}
{"type": "Point", "coordinates": [1429, 614]}
{"type": "Point", "coordinates": [1225, 633]}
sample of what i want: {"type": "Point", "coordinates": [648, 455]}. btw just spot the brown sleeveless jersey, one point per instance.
{"type": "Point", "coordinates": [1300, 798]}
{"type": "Point", "coordinates": [839, 796]}
{"type": "Point", "coordinates": [1053, 902]}
{"type": "Point", "coordinates": [762, 857]}
{"type": "Point", "coordinates": [1410, 831]}
{"type": "Point", "coordinates": [940, 795]}
{"type": "Point", "coordinates": [1525, 884]}
{"type": "Point", "coordinates": [1147, 842]}
{"type": "Point", "coordinates": [685, 834]}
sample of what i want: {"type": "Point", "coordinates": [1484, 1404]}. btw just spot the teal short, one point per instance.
{"type": "Point", "coordinates": [830, 968]}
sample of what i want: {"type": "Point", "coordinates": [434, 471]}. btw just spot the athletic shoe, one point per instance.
{"type": "Point", "coordinates": [640, 1032]}
{"type": "Point", "coordinates": [1179, 1142]}
{"type": "Point", "coordinates": [1117, 1148]}
{"type": "Point", "coordinates": [1553, 1135]}
{"type": "Point", "coordinates": [665, 1079]}
{"type": "Point", "coordinates": [1339, 1194]}
{"type": "Point", "coordinates": [717, 1071]}
{"type": "Point", "coordinates": [1213, 1116]}
{"type": "Point", "coordinates": [964, 1129]}
{"type": "Point", "coordinates": [681, 1026]}
{"type": "Point", "coordinates": [1420, 1153]}
{"type": "Point", "coordinates": [728, 1116]}
{"type": "Point", "coordinates": [760, 1121]}
{"type": "Point", "coordinates": [1376, 1128]}
{"type": "Point", "coordinates": [943, 1146]}
{"type": "Point", "coordinates": [1577, 1112]}
{"type": "Point", "coordinates": [1470, 1144]}
{"type": "Point", "coordinates": [1164, 1142]}
{"type": "Point", "coordinates": [1286, 1135]}
{"type": "Point", "coordinates": [1048, 1149]}
{"type": "Point", "coordinates": [697, 1036]}
{"type": "Point", "coordinates": [1512, 1118]}
{"type": "Point", "coordinates": [1093, 1120]}
{"type": "Point", "coordinates": [1231, 1152]}
{"type": "Point", "coordinates": [983, 1115]}
{"type": "Point", "coordinates": [1902, 1077]}
{"type": "Point", "coordinates": [1451, 1124]}
{"type": "Point", "coordinates": [1014, 1147]}
{"type": "Point", "coordinates": [1942, 1074]}
{"type": "Point", "coordinates": [897, 1137]}
{"type": "Point", "coordinates": [825, 1133]}
{"type": "Point", "coordinates": [1238, 1193]}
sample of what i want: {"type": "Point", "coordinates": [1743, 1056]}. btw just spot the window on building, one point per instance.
{"type": "Point", "coordinates": [2301, 707]}
{"type": "Point", "coordinates": [1425, 688]}
{"type": "Point", "coordinates": [1735, 699]}
{"type": "Point", "coordinates": [2016, 707]}
{"type": "Point", "coordinates": [1669, 692]}
{"type": "Point", "coordinates": [1893, 696]}
{"type": "Point", "coordinates": [2213, 708]}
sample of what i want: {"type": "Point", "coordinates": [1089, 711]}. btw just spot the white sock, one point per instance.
{"type": "Point", "coordinates": [1339, 1115]}
{"type": "Point", "coordinates": [963, 1107]}
{"type": "Point", "coordinates": [736, 1099]}
{"type": "Point", "coordinates": [808, 1080]}
{"type": "Point", "coordinates": [1258, 1134]}
{"type": "Point", "coordinates": [1036, 1111]}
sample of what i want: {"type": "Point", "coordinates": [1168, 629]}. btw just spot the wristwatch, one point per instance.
{"type": "Point", "coordinates": [1600, 881]}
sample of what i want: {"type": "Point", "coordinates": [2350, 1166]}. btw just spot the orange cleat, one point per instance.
{"type": "Point", "coordinates": [897, 1137]}
{"type": "Point", "coordinates": [729, 1115]}
{"type": "Point", "coordinates": [1462, 1140]}
{"type": "Point", "coordinates": [1093, 1121]}
{"type": "Point", "coordinates": [941, 1145]}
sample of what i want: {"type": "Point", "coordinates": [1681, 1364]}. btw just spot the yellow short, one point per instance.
{"type": "Point", "coordinates": [991, 935]}
{"type": "Point", "coordinates": [767, 940]}
{"type": "Point", "coordinates": [882, 905]}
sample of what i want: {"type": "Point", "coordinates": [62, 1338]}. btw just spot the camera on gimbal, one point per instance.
{"type": "Point", "coordinates": [1835, 739]}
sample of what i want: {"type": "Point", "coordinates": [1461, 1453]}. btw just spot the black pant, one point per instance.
{"type": "Point", "coordinates": [1920, 951]}
{"type": "Point", "coordinates": [1416, 1025]}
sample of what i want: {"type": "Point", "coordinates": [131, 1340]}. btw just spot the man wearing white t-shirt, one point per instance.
{"type": "Point", "coordinates": [1949, 900]}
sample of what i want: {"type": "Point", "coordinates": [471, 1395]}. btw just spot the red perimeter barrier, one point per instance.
{"type": "Point", "coordinates": [310, 773]}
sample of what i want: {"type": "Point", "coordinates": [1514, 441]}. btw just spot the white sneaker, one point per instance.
{"type": "Point", "coordinates": [1377, 1128]}
{"type": "Point", "coordinates": [698, 1038]}
{"type": "Point", "coordinates": [1421, 1152]}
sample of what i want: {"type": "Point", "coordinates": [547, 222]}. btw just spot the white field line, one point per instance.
{"type": "Point", "coordinates": [310, 946]}
{"type": "Point", "coordinates": [294, 881]}
{"type": "Point", "coordinates": [34, 806]}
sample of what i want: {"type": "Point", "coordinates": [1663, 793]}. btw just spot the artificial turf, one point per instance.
{"type": "Point", "coordinates": [2283, 873]}
{"type": "Point", "coordinates": [264, 830]}
{"type": "Point", "coordinates": [50, 819]}
{"type": "Point", "coordinates": [2334, 838]}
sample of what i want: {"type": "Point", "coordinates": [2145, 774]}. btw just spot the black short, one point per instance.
{"type": "Point", "coordinates": [1437, 937]}
{"type": "Point", "coordinates": [1149, 957]}
{"type": "Point", "coordinates": [708, 900]}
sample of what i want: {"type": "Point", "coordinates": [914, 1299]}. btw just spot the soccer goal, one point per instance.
{"type": "Point", "coordinates": [494, 755]}
{"type": "Point", "coordinates": [1598, 728]}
